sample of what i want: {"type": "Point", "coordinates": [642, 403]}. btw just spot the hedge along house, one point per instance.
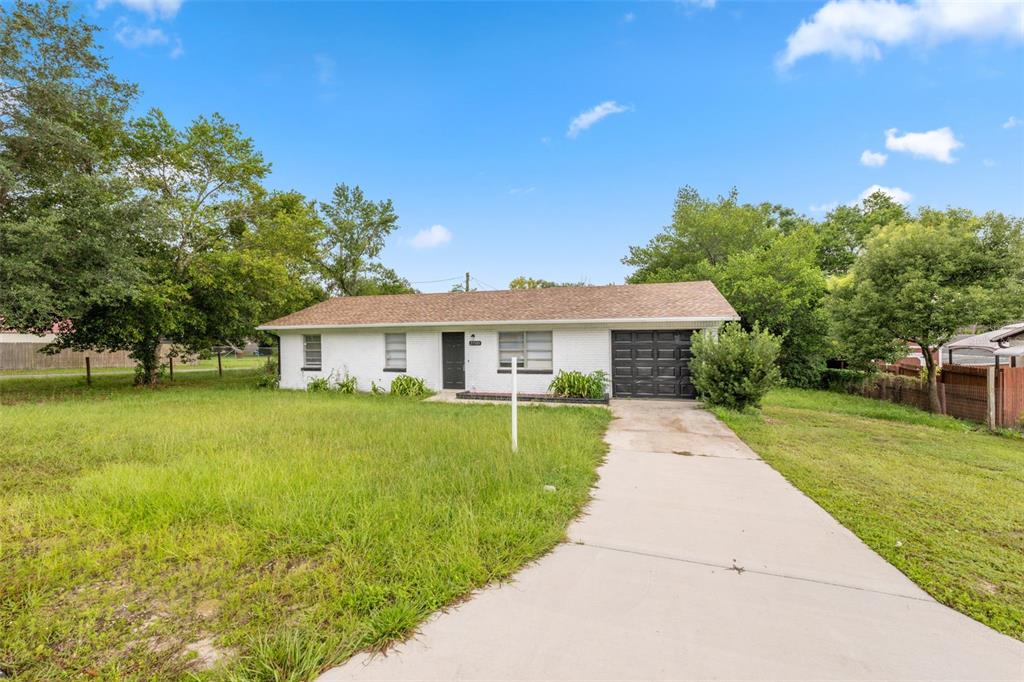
{"type": "Point", "coordinates": [638, 333]}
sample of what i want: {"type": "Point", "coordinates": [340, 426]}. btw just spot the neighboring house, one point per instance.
{"type": "Point", "coordinates": [638, 333]}
{"type": "Point", "coordinates": [1003, 346]}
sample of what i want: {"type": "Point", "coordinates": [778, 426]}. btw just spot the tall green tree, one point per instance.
{"type": "Point", "coordinates": [522, 282]}
{"type": "Point", "coordinates": [357, 228]}
{"type": "Point", "coordinates": [921, 282]}
{"type": "Point", "coordinates": [845, 230]}
{"type": "Point", "coordinates": [764, 259]}
{"type": "Point", "coordinates": [208, 278]}
{"type": "Point", "coordinates": [70, 222]}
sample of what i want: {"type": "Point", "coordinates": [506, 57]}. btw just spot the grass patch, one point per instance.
{"type": "Point", "coordinates": [213, 529]}
{"type": "Point", "coordinates": [938, 498]}
{"type": "Point", "coordinates": [228, 362]}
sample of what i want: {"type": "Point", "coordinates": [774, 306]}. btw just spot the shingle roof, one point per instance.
{"type": "Point", "coordinates": [676, 300]}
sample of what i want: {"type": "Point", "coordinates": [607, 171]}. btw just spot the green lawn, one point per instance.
{"type": "Point", "coordinates": [940, 499]}
{"type": "Point", "coordinates": [281, 530]}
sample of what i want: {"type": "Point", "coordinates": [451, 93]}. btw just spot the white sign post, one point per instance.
{"type": "Point", "coordinates": [515, 407]}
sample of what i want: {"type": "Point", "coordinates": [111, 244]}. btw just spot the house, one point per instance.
{"type": "Point", "coordinates": [638, 333]}
{"type": "Point", "coordinates": [1003, 346]}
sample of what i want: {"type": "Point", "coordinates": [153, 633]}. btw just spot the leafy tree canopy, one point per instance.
{"type": "Point", "coordinates": [921, 282]}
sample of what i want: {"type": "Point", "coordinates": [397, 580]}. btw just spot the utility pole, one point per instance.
{"type": "Point", "coordinates": [467, 282]}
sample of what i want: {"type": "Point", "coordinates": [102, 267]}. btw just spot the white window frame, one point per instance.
{"type": "Point", "coordinates": [540, 358]}
{"type": "Point", "coordinates": [391, 364]}
{"type": "Point", "coordinates": [307, 341]}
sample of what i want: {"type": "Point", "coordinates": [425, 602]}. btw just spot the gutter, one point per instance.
{"type": "Point", "coordinates": [492, 323]}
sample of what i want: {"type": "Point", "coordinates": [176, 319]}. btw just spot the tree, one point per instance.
{"type": "Point", "coordinates": [69, 221]}
{"type": "Point", "coordinates": [703, 233]}
{"type": "Point", "coordinates": [764, 260]}
{"type": "Point", "coordinates": [920, 282]}
{"type": "Point", "coordinates": [846, 228]}
{"type": "Point", "coordinates": [208, 280]}
{"type": "Point", "coordinates": [356, 230]}
{"type": "Point", "coordinates": [531, 283]}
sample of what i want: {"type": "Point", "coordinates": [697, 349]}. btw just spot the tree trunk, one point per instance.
{"type": "Point", "coordinates": [147, 354]}
{"type": "Point", "coordinates": [934, 404]}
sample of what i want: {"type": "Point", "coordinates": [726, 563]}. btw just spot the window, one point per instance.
{"type": "Point", "coordinates": [394, 352]}
{"type": "Point", "coordinates": [311, 358]}
{"type": "Point", "coordinates": [532, 348]}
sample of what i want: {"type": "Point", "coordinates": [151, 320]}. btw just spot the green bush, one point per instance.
{"type": "Point", "coordinates": [406, 385]}
{"type": "Point", "coordinates": [267, 381]}
{"type": "Point", "coordinates": [318, 385]}
{"type": "Point", "coordinates": [841, 379]}
{"type": "Point", "coordinates": [347, 385]}
{"type": "Point", "coordinates": [579, 385]}
{"type": "Point", "coordinates": [736, 368]}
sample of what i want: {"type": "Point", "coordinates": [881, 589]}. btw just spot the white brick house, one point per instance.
{"type": "Point", "coordinates": [638, 333]}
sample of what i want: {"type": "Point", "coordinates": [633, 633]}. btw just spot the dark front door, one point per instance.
{"type": "Point", "coordinates": [453, 360]}
{"type": "Point", "coordinates": [651, 364]}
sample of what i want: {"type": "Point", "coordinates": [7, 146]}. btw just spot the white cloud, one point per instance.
{"type": "Point", "coordinates": [702, 4]}
{"type": "Point", "coordinates": [859, 29]}
{"type": "Point", "coordinates": [898, 195]}
{"type": "Point", "coordinates": [935, 144]}
{"type": "Point", "coordinates": [132, 36]}
{"type": "Point", "coordinates": [592, 116]}
{"type": "Point", "coordinates": [324, 68]}
{"type": "Point", "coordinates": [1012, 122]}
{"type": "Point", "coordinates": [824, 208]}
{"type": "Point", "coordinates": [628, 18]}
{"type": "Point", "coordinates": [428, 238]}
{"type": "Point", "coordinates": [870, 158]}
{"type": "Point", "coordinates": [177, 50]}
{"type": "Point", "coordinates": [521, 190]}
{"type": "Point", "coordinates": [165, 9]}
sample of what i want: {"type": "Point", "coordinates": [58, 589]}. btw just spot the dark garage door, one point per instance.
{"type": "Point", "coordinates": [651, 364]}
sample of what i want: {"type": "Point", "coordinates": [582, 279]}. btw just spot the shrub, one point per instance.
{"type": "Point", "coordinates": [841, 379]}
{"type": "Point", "coordinates": [736, 368]}
{"type": "Point", "coordinates": [406, 385]}
{"type": "Point", "coordinates": [346, 385]}
{"type": "Point", "coordinates": [318, 385]}
{"type": "Point", "coordinates": [270, 366]}
{"type": "Point", "coordinates": [579, 385]}
{"type": "Point", "coordinates": [375, 389]}
{"type": "Point", "coordinates": [267, 381]}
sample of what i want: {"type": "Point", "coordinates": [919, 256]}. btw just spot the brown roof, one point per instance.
{"type": "Point", "coordinates": [625, 301]}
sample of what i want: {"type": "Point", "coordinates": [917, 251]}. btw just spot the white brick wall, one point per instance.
{"type": "Point", "coordinates": [361, 353]}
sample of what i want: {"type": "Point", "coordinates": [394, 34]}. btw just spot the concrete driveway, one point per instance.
{"type": "Point", "coordinates": [696, 560]}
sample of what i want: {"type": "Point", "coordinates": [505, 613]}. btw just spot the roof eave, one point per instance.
{"type": "Point", "coordinates": [482, 323]}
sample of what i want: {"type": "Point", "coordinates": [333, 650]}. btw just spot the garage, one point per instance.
{"type": "Point", "coordinates": [652, 364]}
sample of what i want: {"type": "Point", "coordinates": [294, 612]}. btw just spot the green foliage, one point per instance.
{"type": "Point", "coordinates": [576, 384]}
{"type": "Point", "coordinates": [376, 389]}
{"type": "Point", "coordinates": [356, 228]}
{"type": "Point", "coordinates": [764, 260]}
{"type": "Point", "coordinates": [531, 283]}
{"type": "Point", "coordinates": [347, 385]}
{"type": "Point", "coordinates": [846, 229]}
{"type": "Point", "coordinates": [921, 282]}
{"type": "Point", "coordinates": [406, 385]}
{"type": "Point", "coordinates": [264, 380]}
{"type": "Point", "coordinates": [318, 385]}
{"type": "Point", "coordinates": [736, 368]}
{"type": "Point", "coordinates": [841, 379]}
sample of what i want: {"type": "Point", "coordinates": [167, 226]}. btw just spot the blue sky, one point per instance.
{"type": "Point", "coordinates": [462, 113]}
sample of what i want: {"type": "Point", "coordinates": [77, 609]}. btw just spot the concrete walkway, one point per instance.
{"type": "Point", "coordinates": [696, 560]}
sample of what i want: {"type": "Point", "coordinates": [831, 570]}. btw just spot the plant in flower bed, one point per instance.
{"type": "Point", "coordinates": [406, 385]}
{"type": "Point", "coordinates": [579, 385]}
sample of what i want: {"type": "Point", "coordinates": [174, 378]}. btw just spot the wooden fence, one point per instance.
{"type": "Point", "coordinates": [25, 355]}
{"type": "Point", "coordinates": [963, 392]}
